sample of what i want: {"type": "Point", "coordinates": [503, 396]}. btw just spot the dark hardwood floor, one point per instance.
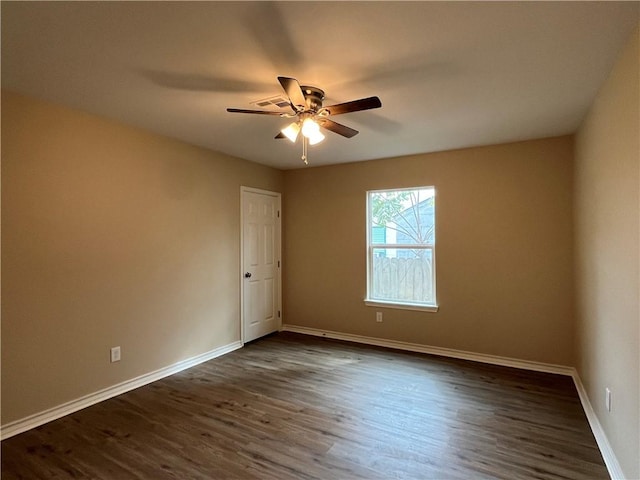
{"type": "Point", "coordinates": [299, 407]}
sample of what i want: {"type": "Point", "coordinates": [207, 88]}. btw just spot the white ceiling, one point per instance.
{"type": "Point", "coordinates": [449, 74]}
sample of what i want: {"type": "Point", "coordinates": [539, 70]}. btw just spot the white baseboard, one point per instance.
{"type": "Point", "coordinates": [614, 468]}
{"type": "Point", "coordinates": [32, 421]}
{"type": "Point", "coordinates": [610, 460]}
{"type": "Point", "coordinates": [443, 352]}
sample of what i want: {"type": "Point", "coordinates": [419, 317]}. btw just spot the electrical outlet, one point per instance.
{"type": "Point", "coordinates": [607, 398]}
{"type": "Point", "coordinates": [115, 354]}
{"type": "Point", "coordinates": [379, 317]}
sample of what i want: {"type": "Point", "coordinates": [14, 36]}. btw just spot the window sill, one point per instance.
{"type": "Point", "coordinates": [400, 306]}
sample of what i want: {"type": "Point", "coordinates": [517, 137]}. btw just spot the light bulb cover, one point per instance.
{"type": "Point", "coordinates": [310, 127]}
{"type": "Point", "coordinates": [291, 131]}
{"type": "Point", "coordinates": [316, 137]}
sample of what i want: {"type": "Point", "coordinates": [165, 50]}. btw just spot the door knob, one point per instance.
{"type": "Point", "coordinates": [247, 275]}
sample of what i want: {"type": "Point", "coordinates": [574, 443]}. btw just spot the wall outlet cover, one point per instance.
{"type": "Point", "coordinates": [115, 354]}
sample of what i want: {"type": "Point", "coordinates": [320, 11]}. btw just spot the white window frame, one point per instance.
{"type": "Point", "coordinates": [373, 302]}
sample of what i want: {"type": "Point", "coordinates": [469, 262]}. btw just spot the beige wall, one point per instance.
{"type": "Point", "coordinates": [111, 236]}
{"type": "Point", "coordinates": [504, 249]}
{"type": "Point", "coordinates": [607, 257]}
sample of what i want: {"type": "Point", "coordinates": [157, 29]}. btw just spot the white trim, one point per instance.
{"type": "Point", "coordinates": [609, 457]}
{"type": "Point", "coordinates": [400, 306]}
{"type": "Point", "coordinates": [244, 188]}
{"type": "Point", "coordinates": [444, 352]}
{"type": "Point", "coordinates": [35, 420]}
{"type": "Point", "coordinates": [610, 460]}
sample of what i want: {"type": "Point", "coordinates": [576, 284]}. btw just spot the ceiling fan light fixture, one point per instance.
{"type": "Point", "coordinates": [291, 131]}
{"type": "Point", "coordinates": [306, 107]}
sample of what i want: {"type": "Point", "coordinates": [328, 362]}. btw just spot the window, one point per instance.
{"type": "Point", "coordinates": [401, 248]}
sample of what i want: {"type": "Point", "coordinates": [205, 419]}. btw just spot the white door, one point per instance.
{"type": "Point", "coordinates": [260, 263]}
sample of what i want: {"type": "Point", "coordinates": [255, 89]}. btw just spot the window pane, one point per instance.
{"type": "Point", "coordinates": [403, 275]}
{"type": "Point", "coordinates": [403, 217]}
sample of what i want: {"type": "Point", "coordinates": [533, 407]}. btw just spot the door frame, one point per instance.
{"type": "Point", "coordinates": [278, 247]}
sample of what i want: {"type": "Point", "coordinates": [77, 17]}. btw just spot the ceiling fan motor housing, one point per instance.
{"type": "Point", "coordinates": [314, 97]}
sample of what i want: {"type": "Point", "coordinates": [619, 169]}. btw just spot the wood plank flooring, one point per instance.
{"type": "Point", "coordinates": [296, 407]}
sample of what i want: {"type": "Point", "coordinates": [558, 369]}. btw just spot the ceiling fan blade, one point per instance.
{"type": "Point", "coordinates": [354, 106]}
{"type": "Point", "coordinates": [337, 128]}
{"type": "Point", "coordinates": [280, 135]}
{"type": "Point", "coordinates": [258, 112]}
{"type": "Point", "coordinates": [294, 92]}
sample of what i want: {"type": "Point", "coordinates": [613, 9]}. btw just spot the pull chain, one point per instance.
{"type": "Point", "coordinates": [304, 150]}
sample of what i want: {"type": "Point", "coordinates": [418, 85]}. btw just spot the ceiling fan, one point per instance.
{"type": "Point", "coordinates": [306, 105]}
